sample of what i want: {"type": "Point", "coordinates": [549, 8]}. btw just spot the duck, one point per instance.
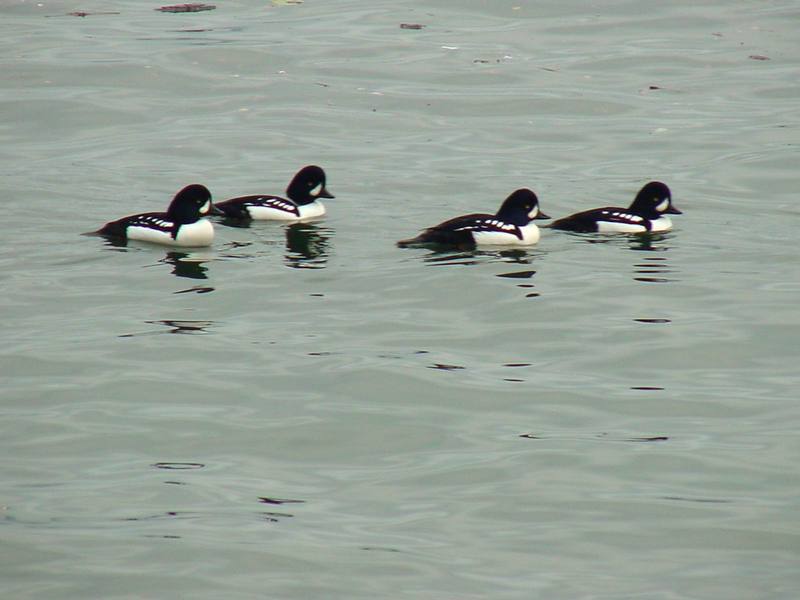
{"type": "Point", "coordinates": [183, 224]}
{"type": "Point", "coordinates": [511, 225]}
{"type": "Point", "coordinates": [303, 202]}
{"type": "Point", "coordinates": [646, 214]}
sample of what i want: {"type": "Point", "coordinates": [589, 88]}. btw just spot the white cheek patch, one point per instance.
{"type": "Point", "coordinates": [533, 212]}
{"type": "Point", "coordinates": [316, 190]}
{"type": "Point", "coordinates": [205, 208]}
{"type": "Point", "coordinates": [662, 206]}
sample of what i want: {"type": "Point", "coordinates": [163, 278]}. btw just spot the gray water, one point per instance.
{"type": "Point", "coordinates": [309, 411]}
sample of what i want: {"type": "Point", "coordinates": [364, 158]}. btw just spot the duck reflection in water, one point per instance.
{"type": "Point", "coordinates": [650, 242]}
{"type": "Point", "coordinates": [183, 327]}
{"type": "Point", "coordinates": [187, 264]}
{"type": "Point", "coordinates": [173, 326]}
{"type": "Point", "coordinates": [445, 257]}
{"type": "Point", "coordinates": [655, 246]}
{"type": "Point", "coordinates": [307, 246]}
{"type": "Point", "coordinates": [654, 266]}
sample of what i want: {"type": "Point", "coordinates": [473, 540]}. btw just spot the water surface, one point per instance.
{"type": "Point", "coordinates": [308, 411]}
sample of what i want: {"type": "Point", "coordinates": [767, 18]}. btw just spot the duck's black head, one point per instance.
{"type": "Point", "coordinates": [191, 203]}
{"type": "Point", "coordinates": [653, 200]}
{"type": "Point", "coordinates": [520, 208]}
{"type": "Point", "coordinates": [308, 185]}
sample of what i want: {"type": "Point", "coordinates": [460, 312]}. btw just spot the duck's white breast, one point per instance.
{"type": "Point", "coordinates": [661, 224]}
{"type": "Point", "coordinates": [199, 233]}
{"type": "Point", "coordinates": [530, 234]}
{"type": "Point", "coordinates": [312, 211]}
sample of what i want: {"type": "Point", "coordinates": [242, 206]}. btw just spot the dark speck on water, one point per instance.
{"type": "Point", "coordinates": [518, 274]}
{"type": "Point", "coordinates": [196, 290]}
{"type": "Point", "coordinates": [266, 500]}
{"type": "Point", "coordinates": [181, 8]}
{"type": "Point", "coordinates": [444, 367]}
{"type": "Point", "coordinates": [80, 13]}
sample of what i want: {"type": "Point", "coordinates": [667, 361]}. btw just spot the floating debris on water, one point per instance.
{"type": "Point", "coordinates": [182, 8]}
{"type": "Point", "coordinates": [80, 13]}
{"type": "Point", "coordinates": [444, 367]}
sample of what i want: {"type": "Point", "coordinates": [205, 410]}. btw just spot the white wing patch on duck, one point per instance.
{"type": "Point", "coordinates": [159, 231]}
{"type": "Point", "coordinates": [147, 233]}
{"type": "Point", "coordinates": [276, 209]}
{"type": "Point", "coordinates": [490, 225]}
{"type": "Point", "coordinates": [524, 236]}
{"type": "Point", "coordinates": [494, 232]}
{"type": "Point", "coordinates": [148, 221]}
{"type": "Point", "coordinates": [623, 216]}
{"type": "Point", "coordinates": [620, 222]}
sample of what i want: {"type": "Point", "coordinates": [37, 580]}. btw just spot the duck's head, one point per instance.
{"type": "Point", "coordinates": [654, 200]}
{"type": "Point", "coordinates": [308, 185]}
{"type": "Point", "coordinates": [190, 204]}
{"type": "Point", "coordinates": [520, 208]}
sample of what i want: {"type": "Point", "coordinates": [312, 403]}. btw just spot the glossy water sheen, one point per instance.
{"type": "Point", "coordinates": [307, 411]}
